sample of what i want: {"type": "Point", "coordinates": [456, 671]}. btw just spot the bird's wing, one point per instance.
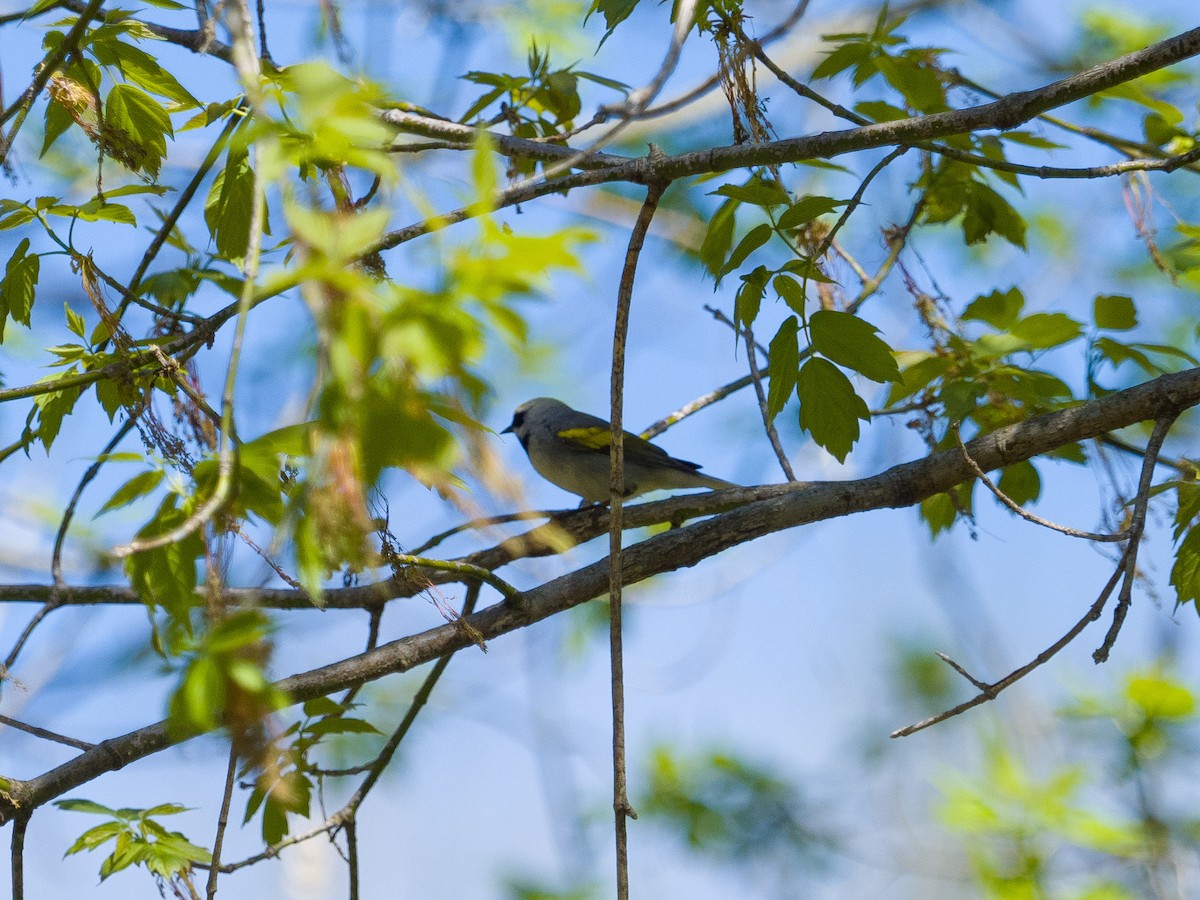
{"type": "Point", "coordinates": [590, 437]}
{"type": "Point", "coordinates": [597, 438]}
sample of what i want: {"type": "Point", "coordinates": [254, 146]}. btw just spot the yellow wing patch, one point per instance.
{"type": "Point", "coordinates": [592, 438]}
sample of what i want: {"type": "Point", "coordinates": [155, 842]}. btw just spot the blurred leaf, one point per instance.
{"type": "Point", "coordinates": [1114, 312]}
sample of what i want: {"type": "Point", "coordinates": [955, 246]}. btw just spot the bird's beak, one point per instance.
{"type": "Point", "coordinates": [509, 429]}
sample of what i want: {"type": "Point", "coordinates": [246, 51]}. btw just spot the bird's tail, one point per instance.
{"type": "Point", "coordinates": [717, 484]}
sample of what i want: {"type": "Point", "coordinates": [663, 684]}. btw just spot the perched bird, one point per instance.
{"type": "Point", "coordinates": [571, 449]}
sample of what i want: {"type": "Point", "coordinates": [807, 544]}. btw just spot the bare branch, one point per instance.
{"type": "Point", "coordinates": [991, 691]}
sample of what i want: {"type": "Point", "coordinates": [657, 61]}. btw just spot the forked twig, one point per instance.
{"type": "Point", "coordinates": [1125, 573]}
{"type": "Point", "coordinates": [1137, 528]}
{"type": "Point", "coordinates": [1026, 514]}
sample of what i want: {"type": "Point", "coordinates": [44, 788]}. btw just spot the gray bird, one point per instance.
{"type": "Point", "coordinates": [571, 449]}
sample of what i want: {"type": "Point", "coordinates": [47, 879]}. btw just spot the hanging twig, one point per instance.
{"type": "Point", "coordinates": [1137, 527]}
{"type": "Point", "coordinates": [621, 807]}
{"type": "Point", "coordinates": [768, 425]}
{"type": "Point", "coordinates": [1026, 514]}
{"type": "Point", "coordinates": [222, 822]}
{"type": "Point", "coordinates": [18, 857]}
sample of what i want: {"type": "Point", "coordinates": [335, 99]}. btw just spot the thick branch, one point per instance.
{"type": "Point", "coordinates": [771, 509]}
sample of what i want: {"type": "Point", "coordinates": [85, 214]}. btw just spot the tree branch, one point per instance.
{"type": "Point", "coordinates": [1004, 114]}
{"type": "Point", "coordinates": [752, 513]}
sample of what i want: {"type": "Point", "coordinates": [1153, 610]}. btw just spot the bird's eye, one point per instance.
{"type": "Point", "coordinates": [518, 420]}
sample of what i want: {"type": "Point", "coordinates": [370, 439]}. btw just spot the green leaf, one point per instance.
{"type": "Point", "coordinates": [829, 408]}
{"type": "Point", "coordinates": [879, 111]}
{"type": "Point", "coordinates": [1160, 698]}
{"type": "Point", "coordinates": [922, 88]}
{"type": "Point", "coordinates": [988, 213]}
{"type": "Point", "coordinates": [748, 299]}
{"type": "Point", "coordinates": [1000, 310]}
{"type": "Point", "coordinates": [854, 343]}
{"type": "Point", "coordinates": [323, 706]}
{"type": "Point", "coordinates": [614, 11]}
{"type": "Point", "coordinates": [75, 321]}
{"type": "Point", "coordinates": [19, 285]}
{"type": "Point", "coordinates": [57, 120]}
{"type": "Point", "coordinates": [1114, 312]}
{"type": "Point", "coordinates": [14, 214]}
{"type": "Point", "coordinates": [142, 69]}
{"type": "Point", "coordinates": [756, 192]}
{"type": "Point", "coordinates": [841, 58]}
{"type": "Point", "coordinates": [342, 726]}
{"type": "Point", "coordinates": [1185, 573]}
{"type": "Point", "coordinates": [718, 237]}
{"type": "Point", "coordinates": [791, 291]}
{"type": "Point", "coordinates": [135, 128]}
{"type": "Point", "coordinates": [84, 806]}
{"type": "Point", "coordinates": [138, 486]}
{"type": "Point", "coordinates": [783, 365]}
{"type": "Point", "coordinates": [483, 172]}
{"type": "Point", "coordinates": [939, 513]}
{"type": "Point", "coordinates": [228, 207]}
{"type": "Point", "coordinates": [96, 210]}
{"type": "Point", "coordinates": [806, 209]}
{"type": "Point", "coordinates": [924, 369]}
{"type": "Point", "coordinates": [755, 238]}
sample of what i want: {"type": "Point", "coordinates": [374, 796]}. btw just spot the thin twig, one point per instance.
{"type": "Point", "coordinates": [222, 822]}
{"type": "Point", "coordinates": [713, 81]}
{"type": "Point", "coordinates": [1024, 513]}
{"type": "Point", "coordinates": [1165, 163]}
{"type": "Point", "coordinates": [374, 621]}
{"type": "Point", "coordinates": [45, 734]}
{"type": "Point", "coordinates": [622, 809]}
{"type": "Point", "coordinates": [484, 522]}
{"type": "Point", "coordinates": [182, 202]}
{"type": "Point", "coordinates": [757, 380]}
{"type": "Point", "coordinates": [695, 406]}
{"type": "Point", "coordinates": [991, 691]}
{"type": "Point", "coordinates": [981, 685]}
{"type": "Point", "coordinates": [287, 579]}
{"type": "Point", "coordinates": [1180, 464]}
{"type": "Point", "coordinates": [856, 200]}
{"type": "Point", "coordinates": [466, 570]}
{"type": "Point", "coordinates": [1137, 527]}
{"type": "Point", "coordinates": [706, 400]}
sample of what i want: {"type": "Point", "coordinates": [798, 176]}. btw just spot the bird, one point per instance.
{"type": "Point", "coordinates": [570, 449]}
